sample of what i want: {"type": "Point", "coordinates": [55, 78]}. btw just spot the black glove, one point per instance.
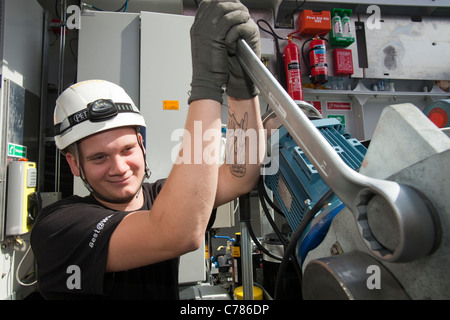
{"type": "Point", "coordinates": [210, 67]}
{"type": "Point", "coordinates": [239, 84]}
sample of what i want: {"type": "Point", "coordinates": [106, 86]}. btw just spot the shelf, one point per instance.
{"type": "Point", "coordinates": [412, 8]}
{"type": "Point", "coordinates": [362, 94]}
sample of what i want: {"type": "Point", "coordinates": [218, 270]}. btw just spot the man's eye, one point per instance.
{"type": "Point", "coordinates": [97, 158]}
{"type": "Point", "coordinates": [129, 149]}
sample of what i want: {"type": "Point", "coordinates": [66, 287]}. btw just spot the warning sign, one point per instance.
{"type": "Point", "coordinates": [341, 106]}
{"type": "Point", "coordinates": [171, 105]}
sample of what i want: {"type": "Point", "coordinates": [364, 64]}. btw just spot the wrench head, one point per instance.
{"type": "Point", "coordinates": [396, 223]}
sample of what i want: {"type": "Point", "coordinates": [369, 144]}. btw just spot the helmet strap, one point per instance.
{"type": "Point", "coordinates": [147, 167]}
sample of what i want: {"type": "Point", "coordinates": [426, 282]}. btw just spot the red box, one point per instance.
{"type": "Point", "coordinates": [314, 23]}
{"type": "Point", "coordinates": [343, 62]}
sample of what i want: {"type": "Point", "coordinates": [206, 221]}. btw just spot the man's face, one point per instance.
{"type": "Point", "coordinates": [113, 163]}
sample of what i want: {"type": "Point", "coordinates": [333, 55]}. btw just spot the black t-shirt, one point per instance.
{"type": "Point", "coordinates": [70, 242]}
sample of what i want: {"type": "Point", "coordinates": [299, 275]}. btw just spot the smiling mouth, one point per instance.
{"type": "Point", "coordinates": [121, 181]}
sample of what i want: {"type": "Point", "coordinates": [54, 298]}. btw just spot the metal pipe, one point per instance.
{"type": "Point", "coordinates": [246, 252]}
{"type": "Point", "coordinates": [62, 46]}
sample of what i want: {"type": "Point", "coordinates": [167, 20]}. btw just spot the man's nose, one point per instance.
{"type": "Point", "coordinates": [118, 165]}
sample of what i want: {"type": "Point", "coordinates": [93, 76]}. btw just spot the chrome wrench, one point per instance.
{"type": "Point", "coordinates": [408, 229]}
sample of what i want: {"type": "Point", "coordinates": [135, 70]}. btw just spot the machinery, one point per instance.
{"type": "Point", "coordinates": [380, 233]}
{"type": "Point", "coordinates": [425, 167]}
{"type": "Point", "coordinates": [297, 186]}
{"type": "Point", "coordinates": [335, 261]}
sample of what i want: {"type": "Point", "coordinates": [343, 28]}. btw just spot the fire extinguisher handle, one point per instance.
{"type": "Point", "coordinates": [361, 194]}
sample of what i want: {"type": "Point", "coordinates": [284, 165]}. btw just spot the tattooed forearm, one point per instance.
{"type": "Point", "coordinates": [236, 144]}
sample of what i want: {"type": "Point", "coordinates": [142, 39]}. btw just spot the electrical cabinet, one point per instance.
{"type": "Point", "coordinates": [165, 77]}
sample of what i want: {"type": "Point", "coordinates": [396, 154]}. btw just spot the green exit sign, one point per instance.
{"type": "Point", "coordinates": [17, 151]}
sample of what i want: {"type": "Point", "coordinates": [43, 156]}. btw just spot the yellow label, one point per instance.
{"type": "Point", "coordinates": [171, 105]}
{"type": "Point", "coordinates": [236, 252]}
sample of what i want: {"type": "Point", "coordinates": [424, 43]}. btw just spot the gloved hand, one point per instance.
{"type": "Point", "coordinates": [239, 84]}
{"type": "Point", "coordinates": [210, 67]}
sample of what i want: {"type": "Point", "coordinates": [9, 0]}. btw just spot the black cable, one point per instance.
{"type": "Point", "coordinates": [291, 256]}
{"type": "Point", "coordinates": [294, 11]}
{"type": "Point", "coordinates": [260, 187]}
{"type": "Point", "coordinates": [298, 7]}
{"type": "Point", "coordinates": [279, 60]}
{"type": "Point", "coordinates": [294, 240]}
{"type": "Point", "coordinates": [123, 7]}
{"type": "Point", "coordinates": [255, 239]}
{"type": "Point", "coordinates": [266, 196]}
{"type": "Point", "coordinates": [303, 56]}
{"type": "Point", "coordinates": [271, 32]}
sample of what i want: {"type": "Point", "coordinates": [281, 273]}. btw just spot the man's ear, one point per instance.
{"type": "Point", "coordinates": [141, 142]}
{"type": "Point", "coordinates": [73, 163]}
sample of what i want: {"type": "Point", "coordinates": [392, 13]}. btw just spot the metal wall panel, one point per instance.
{"type": "Point", "coordinates": [166, 72]}
{"type": "Point", "coordinates": [108, 49]}
{"type": "Point", "coordinates": [402, 49]}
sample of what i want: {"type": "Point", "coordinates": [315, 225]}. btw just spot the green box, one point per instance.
{"type": "Point", "coordinates": [341, 42]}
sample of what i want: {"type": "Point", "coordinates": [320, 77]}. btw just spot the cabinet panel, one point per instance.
{"type": "Point", "coordinates": [165, 77]}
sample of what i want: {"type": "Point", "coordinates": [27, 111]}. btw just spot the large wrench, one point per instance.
{"type": "Point", "coordinates": [408, 229]}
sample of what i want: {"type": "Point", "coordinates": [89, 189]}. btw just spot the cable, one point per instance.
{"type": "Point", "coordinates": [294, 11]}
{"type": "Point", "coordinates": [290, 256]}
{"type": "Point", "coordinates": [295, 263]}
{"type": "Point", "coordinates": [236, 207]}
{"type": "Point", "coordinates": [271, 32]}
{"type": "Point", "coordinates": [224, 237]}
{"type": "Point", "coordinates": [279, 60]}
{"type": "Point", "coordinates": [255, 239]}
{"type": "Point", "coordinates": [125, 5]}
{"type": "Point", "coordinates": [18, 268]}
{"type": "Point", "coordinates": [303, 55]}
{"type": "Point", "coordinates": [294, 240]}
{"type": "Point", "coordinates": [260, 186]}
{"type": "Point", "coordinates": [267, 198]}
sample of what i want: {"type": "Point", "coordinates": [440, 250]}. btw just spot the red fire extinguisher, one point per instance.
{"type": "Point", "coordinates": [318, 61]}
{"type": "Point", "coordinates": [293, 72]}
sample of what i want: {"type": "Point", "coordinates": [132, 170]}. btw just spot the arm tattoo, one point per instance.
{"type": "Point", "coordinates": [236, 143]}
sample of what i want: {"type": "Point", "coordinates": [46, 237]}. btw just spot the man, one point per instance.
{"type": "Point", "coordinates": [124, 239]}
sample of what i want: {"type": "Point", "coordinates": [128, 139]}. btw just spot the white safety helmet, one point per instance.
{"type": "Point", "coordinates": [92, 106]}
